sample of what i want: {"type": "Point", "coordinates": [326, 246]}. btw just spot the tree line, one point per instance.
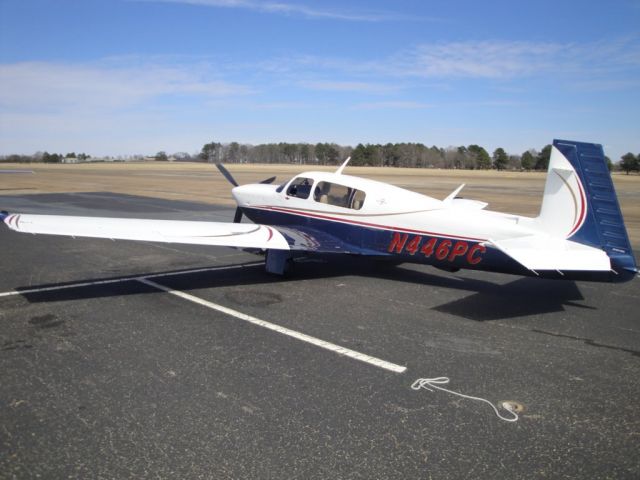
{"type": "Point", "coordinates": [296, 153]}
{"type": "Point", "coordinates": [44, 157]}
{"type": "Point", "coordinates": [414, 155]}
{"type": "Point", "coordinates": [630, 163]}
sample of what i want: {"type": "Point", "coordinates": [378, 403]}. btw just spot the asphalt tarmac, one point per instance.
{"type": "Point", "coordinates": [106, 374]}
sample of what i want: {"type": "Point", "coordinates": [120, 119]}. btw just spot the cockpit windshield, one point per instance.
{"type": "Point", "coordinates": [281, 187]}
{"type": "Point", "coordinates": [300, 187]}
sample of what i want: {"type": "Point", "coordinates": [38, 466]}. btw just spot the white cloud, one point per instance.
{"type": "Point", "coordinates": [288, 8]}
{"type": "Point", "coordinates": [47, 85]}
{"type": "Point", "coordinates": [481, 59]}
{"type": "Point", "coordinates": [490, 59]}
{"type": "Point", "coordinates": [392, 105]}
{"type": "Point", "coordinates": [349, 86]}
{"type": "Point", "coordinates": [116, 105]}
{"type": "Point", "coordinates": [499, 59]}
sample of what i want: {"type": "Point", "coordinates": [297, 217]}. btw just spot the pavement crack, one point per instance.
{"type": "Point", "coordinates": [590, 342]}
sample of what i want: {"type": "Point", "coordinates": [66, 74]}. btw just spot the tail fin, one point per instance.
{"type": "Point", "coordinates": [580, 203]}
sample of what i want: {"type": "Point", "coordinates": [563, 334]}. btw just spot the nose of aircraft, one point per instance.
{"type": "Point", "coordinates": [240, 194]}
{"type": "Point", "coordinates": [251, 194]}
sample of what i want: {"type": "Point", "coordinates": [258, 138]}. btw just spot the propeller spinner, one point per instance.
{"type": "Point", "coordinates": [237, 218]}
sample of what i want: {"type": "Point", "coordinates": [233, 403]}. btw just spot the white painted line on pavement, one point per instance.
{"type": "Point", "coordinates": [277, 328]}
{"type": "Point", "coordinates": [256, 321]}
{"type": "Point", "coordinates": [124, 279]}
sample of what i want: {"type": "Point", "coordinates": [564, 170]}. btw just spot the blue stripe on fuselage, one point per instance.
{"type": "Point", "coordinates": [309, 233]}
{"type": "Point", "coordinates": [319, 235]}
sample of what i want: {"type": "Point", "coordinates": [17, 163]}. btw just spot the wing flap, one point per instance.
{"type": "Point", "coordinates": [242, 235]}
{"type": "Point", "coordinates": [540, 252]}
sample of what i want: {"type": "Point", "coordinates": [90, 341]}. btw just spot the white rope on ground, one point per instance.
{"type": "Point", "coordinates": [430, 383]}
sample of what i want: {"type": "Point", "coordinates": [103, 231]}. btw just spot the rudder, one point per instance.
{"type": "Point", "coordinates": [580, 202]}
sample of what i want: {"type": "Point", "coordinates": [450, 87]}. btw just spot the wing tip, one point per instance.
{"type": "Point", "coordinates": [3, 214]}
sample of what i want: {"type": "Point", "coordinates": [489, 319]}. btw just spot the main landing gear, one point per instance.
{"type": "Point", "coordinates": [278, 262]}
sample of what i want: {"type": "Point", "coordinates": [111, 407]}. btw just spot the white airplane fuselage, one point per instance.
{"type": "Point", "coordinates": [579, 233]}
{"type": "Point", "coordinates": [387, 207]}
{"type": "Point", "coordinates": [382, 219]}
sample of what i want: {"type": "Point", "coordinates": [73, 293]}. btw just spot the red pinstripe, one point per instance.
{"type": "Point", "coordinates": [367, 224]}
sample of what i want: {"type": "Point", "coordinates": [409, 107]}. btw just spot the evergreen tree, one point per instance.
{"type": "Point", "coordinates": [500, 159]}
{"type": "Point", "coordinates": [481, 157]}
{"type": "Point", "coordinates": [527, 160]}
{"type": "Point", "coordinates": [211, 152]}
{"type": "Point", "coordinates": [333, 154]}
{"type": "Point", "coordinates": [609, 163]}
{"type": "Point", "coordinates": [630, 163]}
{"type": "Point", "coordinates": [542, 162]}
{"type": "Point", "coordinates": [359, 155]}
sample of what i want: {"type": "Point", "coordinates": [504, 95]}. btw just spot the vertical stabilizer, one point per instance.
{"type": "Point", "coordinates": [580, 202]}
{"type": "Point", "coordinates": [564, 205]}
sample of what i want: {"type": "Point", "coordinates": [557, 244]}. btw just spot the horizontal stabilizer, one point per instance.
{"type": "Point", "coordinates": [242, 235]}
{"type": "Point", "coordinates": [541, 252]}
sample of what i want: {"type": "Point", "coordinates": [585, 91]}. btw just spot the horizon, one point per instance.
{"type": "Point", "coordinates": [196, 153]}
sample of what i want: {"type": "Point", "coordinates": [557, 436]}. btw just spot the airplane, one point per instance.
{"type": "Point", "coordinates": [579, 233]}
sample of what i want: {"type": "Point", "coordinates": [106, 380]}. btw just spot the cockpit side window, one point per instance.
{"type": "Point", "coordinates": [339, 195]}
{"type": "Point", "coordinates": [300, 187]}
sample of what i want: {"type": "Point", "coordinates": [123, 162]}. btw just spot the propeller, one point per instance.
{"type": "Point", "coordinates": [232, 181]}
{"type": "Point", "coordinates": [227, 174]}
{"type": "Point", "coordinates": [237, 218]}
{"type": "Point", "coordinates": [268, 180]}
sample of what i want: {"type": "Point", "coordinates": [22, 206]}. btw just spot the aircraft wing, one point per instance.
{"type": "Point", "coordinates": [541, 252]}
{"type": "Point", "coordinates": [242, 235]}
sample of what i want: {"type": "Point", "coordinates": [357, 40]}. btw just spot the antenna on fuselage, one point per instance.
{"type": "Point", "coordinates": [339, 171]}
{"type": "Point", "coordinates": [453, 195]}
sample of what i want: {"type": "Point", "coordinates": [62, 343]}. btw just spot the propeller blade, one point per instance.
{"type": "Point", "coordinates": [268, 180]}
{"type": "Point", "coordinates": [237, 218]}
{"type": "Point", "coordinates": [226, 174]}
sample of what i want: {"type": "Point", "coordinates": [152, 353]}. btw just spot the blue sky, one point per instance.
{"type": "Point", "coordinates": [117, 77]}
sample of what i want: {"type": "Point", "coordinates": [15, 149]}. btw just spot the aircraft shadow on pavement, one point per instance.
{"type": "Point", "coordinates": [522, 297]}
{"type": "Point", "coordinates": [488, 301]}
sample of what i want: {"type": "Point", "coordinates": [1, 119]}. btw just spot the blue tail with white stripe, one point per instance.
{"type": "Point", "coordinates": [580, 203]}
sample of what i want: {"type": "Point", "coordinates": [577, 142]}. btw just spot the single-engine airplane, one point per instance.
{"type": "Point", "coordinates": [578, 235]}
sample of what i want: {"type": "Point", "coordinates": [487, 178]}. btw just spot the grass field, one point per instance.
{"type": "Point", "coordinates": [512, 192]}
